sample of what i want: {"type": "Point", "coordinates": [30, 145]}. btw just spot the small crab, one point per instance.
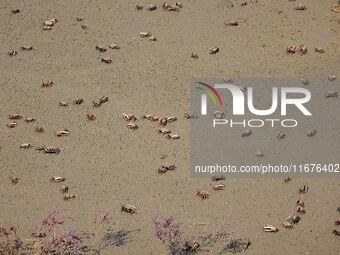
{"type": "Point", "coordinates": [246, 133]}
{"type": "Point", "coordinates": [169, 7]}
{"type": "Point", "coordinates": [219, 186]}
{"type": "Point", "coordinates": [171, 119]}
{"type": "Point", "coordinates": [168, 166]}
{"type": "Point", "coordinates": [163, 121]}
{"type": "Point", "coordinates": [243, 89]}
{"type": "Point", "coordinates": [30, 119]}
{"type": "Point", "coordinates": [100, 101]}
{"type": "Point", "coordinates": [27, 47]}
{"type": "Point", "coordinates": [12, 53]}
{"type": "Point", "coordinates": [301, 7]}
{"type": "Point", "coordinates": [311, 133]}
{"type": "Point", "coordinates": [106, 60]}
{"type": "Point", "coordinates": [91, 116]}
{"type": "Point", "coordinates": [39, 130]}
{"type": "Point", "coordinates": [189, 115]}
{"type": "Point", "coordinates": [287, 225]}
{"type": "Point", "coordinates": [100, 48]}
{"type": "Point", "coordinates": [291, 49]}
{"type": "Point", "coordinates": [63, 103]}
{"type": "Point", "coordinates": [300, 209]}
{"type": "Point", "coordinates": [64, 189]}
{"type": "Point", "coordinates": [202, 194]}
{"type": "Point", "coordinates": [280, 136]}
{"type": "Point", "coordinates": [270, 228]}
{"type": "Point", "coordinates": [302, 48]}
{"type": "Point", "coordinates": [152, 38]}
{"type": "Point", "coordinates": [15, 11]}
{"type": "Point", "coordinates": [14, 116]}
{"type": "Point", "coordinates": [194, 55]}
{"type": "Point", "coordinates": [214, 50]}
{"type": "Point", "coordinates": [69, 196]}
{"type": "Point", "coordinates": [293, 218]}
{"type": "Point", "coordinates": [51, 150]}
{"type": "Point", "coordinates": [84, 26]}
{"type": "Point", "coordinates": [132, 125]}
{"type": "Point", "coordinates": [26, 146]}
{"type": "Point", "coordinates": [129, 208]}
{"type": "Point", "coordinates": [218, 178]}
{"type": "Point", "coordinates": [320, 50]}
{"type": "Point", "coordinates": [287, 179]}
{"type": "Point", "coordinates": [147, 116]}
{"type": "Point", "coordinates": [331, 77]}
{"type": "Point", "coordinates": [303, 189]}
{"type": "Point", "coordinates": [78, 101]}
{"type": "Point", "coordinates": [145, 34]}
{"type": "Point", "coordinates": [12, 124]}
{"type": "Point", "coordinates": [129, 116]}
{"type": "Point", "coordinates": [227, 79]}
{"type": "Point", "coordinates": [62, 132]}
{"type": "Point", "coordinates": [331, 94]}
{"type": "Point", "coordinates": [156, 118]}
{"type": "Point", "coordinates": [50, 23]}
{"type": "Point", "coordinates": [152, 7]}
{"type": "Point", "coordinates": [219, 114]}
{"type": "Point", "coordinates": [79, 19]}
{"type": "Point", "coordinates": [336, 8]}
{"type": "Point", "coordinates": [172, 136]}
{"type": "Point", "coordinates": [299, 202]}
{"type": "Point", "coordinates": [337, 222]}
{"type": "Point", "coordinates": [103, 99]}
{"type": "Point", "coordinates": [162, 170]}
{"type": "Point", "coordinates": [164, 131]}
{"type": "Point", "coordinates": [192, 246]}
{"type": "Point", "coordinates": [47, 84]}
{"type": "Point", "coordinates": [336, 232]}
{"type": "Point", "coordinates": [14, 180]}
{"type": "Point", "coordinates": [232, 23]}
{"type": "Point", "coordinates": [139, 7]}
{"type": "Point", "coordinates": [96, 103]}
{"type": "Point", "coordinates": [114, 46]}
{"type": "Point", "coordinates": [57, 179]}
{"type": "Point", "coordinates": [305, 82]}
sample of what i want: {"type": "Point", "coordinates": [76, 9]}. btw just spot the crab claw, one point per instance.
{"type": "Point", "coordinates": [91, 116]}
{"type": "Point", "coordinates": [287, 225]}
{"type": "Point", "coordinates": [300, 209]}
{"type": "Point", "coordinates": [270, 228]}
{"type": "Point", "coordinates": [132, 125]}
{"type": "Point", "coordinates": [63, 132]}
{"type": "Point", "coordinates": [26, 145]}
{"type": "Point", "coordinates": [57, 179]}
{"type": "Point", "coordinates": [128, 116]}
{"type": "Point", "coordinates": [163, 121]}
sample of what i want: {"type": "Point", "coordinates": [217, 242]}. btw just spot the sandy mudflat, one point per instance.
{"type": "Point", "coordinates": [104, 163]}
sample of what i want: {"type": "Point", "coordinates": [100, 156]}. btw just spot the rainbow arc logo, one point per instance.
{"type": "Point", "coordinates": [211, 92]}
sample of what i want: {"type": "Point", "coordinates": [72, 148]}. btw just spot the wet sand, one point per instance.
{"type": "Point", "coordinates": [104, 163]}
